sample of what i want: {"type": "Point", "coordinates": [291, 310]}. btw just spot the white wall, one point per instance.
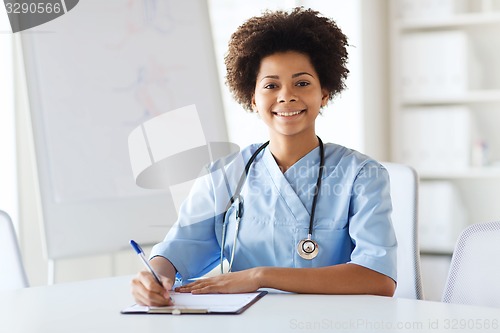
{"type": "Point", "coordinates": [376, 79]}
{"type": "Point", "coordinates": [8, 170]}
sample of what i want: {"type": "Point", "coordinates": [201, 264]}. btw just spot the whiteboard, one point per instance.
{"type": "Point", "coordinates": [95, 74]}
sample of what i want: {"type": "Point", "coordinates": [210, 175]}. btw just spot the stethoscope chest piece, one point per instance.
{"type": "Point", "coordinates": [307, 249]}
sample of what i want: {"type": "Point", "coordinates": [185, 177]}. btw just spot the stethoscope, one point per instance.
{"type": "Point", "coordinates": [306, 248]}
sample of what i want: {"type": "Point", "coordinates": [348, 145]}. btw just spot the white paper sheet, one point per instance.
{"type": "Point", "coordinates": [205, 303]}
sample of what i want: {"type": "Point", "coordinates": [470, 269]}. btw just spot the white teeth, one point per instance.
{"type": "Point", "coordinates": [288, 114]}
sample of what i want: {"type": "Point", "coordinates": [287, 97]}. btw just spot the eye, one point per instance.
{"type": "Point", "coordinates": [302, 84]}
{"type": "Point", "coordinates": [270, 86]}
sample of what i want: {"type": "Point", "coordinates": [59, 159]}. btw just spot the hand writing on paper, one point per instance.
{"type": "Point", "coordinates": [230, 283]}
{"type": "Point", "coordinates": [147, 291]}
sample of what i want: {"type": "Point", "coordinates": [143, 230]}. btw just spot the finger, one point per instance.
{"type": "Point", "coordinates": [149, 282]}
{"type": "Point", "coordinates": [212, 289]}
{"type": "Point", "coordinates": [204, 287]}
{"type": "Point", "coordinates": [147, 291]}
{"type": "Point", "coordinates": [148, 298]}
{"type": "Point", "coordinates": [143, 296]}
{"type": "Point", "coordinates": [184, 289]}
{"type": "Point", "coordinates": [188, 287]}
{"type": "Point", "coordinates": [167, 286]}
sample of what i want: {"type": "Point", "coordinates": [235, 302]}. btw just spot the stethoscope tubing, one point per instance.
{"type": "Point", "coordinates": [318, 186]}
{"type": "Point", "coordinates": [239, 209]}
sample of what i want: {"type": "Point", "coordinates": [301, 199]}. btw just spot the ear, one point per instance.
{"type": "Point", "coordinates": [254, 106]}
{"type": "Point", "coordinates": [324, 97]}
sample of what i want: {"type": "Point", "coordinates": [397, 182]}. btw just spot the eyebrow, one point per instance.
{"type": "Point", "coordinates": [293, 76]}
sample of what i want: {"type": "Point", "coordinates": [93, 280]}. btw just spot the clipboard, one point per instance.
{"type": "Point", "coordinates": [187, 303]}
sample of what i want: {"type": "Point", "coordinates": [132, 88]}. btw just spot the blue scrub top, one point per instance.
{"type": "Point", "coordinates": [352, 220]}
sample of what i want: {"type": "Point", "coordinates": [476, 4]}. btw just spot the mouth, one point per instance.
{"type": "Point", "coordinates": [288, 113]}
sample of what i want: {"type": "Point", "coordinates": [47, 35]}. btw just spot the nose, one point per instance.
{"type": "Point", "coordinates": [287, 94]}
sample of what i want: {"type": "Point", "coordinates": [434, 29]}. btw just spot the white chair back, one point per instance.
{"type": "Point", "coordinates": [404, 195]}
{"type": "Point", "coordinates": [12, 274]}
{"type": "Point", "coordinates": [474, 271]}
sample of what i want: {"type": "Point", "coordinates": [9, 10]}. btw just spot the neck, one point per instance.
{"type": "Point", "coordinates": [288, 150]}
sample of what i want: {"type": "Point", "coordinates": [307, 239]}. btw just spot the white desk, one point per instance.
{"type": "Point", "coordinates": [94, 307]}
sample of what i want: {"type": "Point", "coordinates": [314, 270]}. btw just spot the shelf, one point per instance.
{"type": "Point", "coordinates": [428, 55]}
{"type": "Point", "coordinates": [471, 97]}
{"type": "Point", "coordinates": [456, 21]}
{"type": "Point", "coordinates": [472, 173]}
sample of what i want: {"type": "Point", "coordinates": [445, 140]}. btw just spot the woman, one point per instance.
{"type": "Point", "coordinates": [306, 217]}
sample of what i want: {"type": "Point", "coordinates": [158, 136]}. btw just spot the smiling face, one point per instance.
{"type": "Point", "coordinates": [288, 94]}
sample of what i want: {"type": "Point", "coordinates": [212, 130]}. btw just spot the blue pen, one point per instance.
{"type": "Point", "coordinates": [141, 255]}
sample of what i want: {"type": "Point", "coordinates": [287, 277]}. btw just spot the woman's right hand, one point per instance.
{"type": "Point", "coordinates": [147, 291]}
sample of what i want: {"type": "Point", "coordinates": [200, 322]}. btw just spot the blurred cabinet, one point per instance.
{"type": "Point", "coordinates": [445, 111]}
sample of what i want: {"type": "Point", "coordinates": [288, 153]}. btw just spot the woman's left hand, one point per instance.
{"type": "Point", "coordinates": [230, 283]}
